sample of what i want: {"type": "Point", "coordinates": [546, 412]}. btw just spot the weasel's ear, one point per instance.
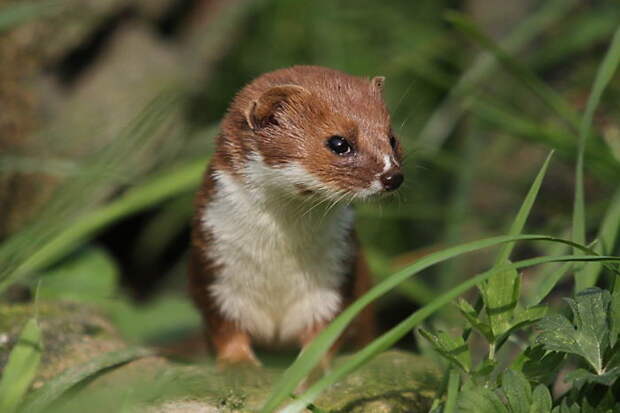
{"type": "Point", "coordinates": [261, 111]}
{"type": "Point", "coordinates": [377, 83]}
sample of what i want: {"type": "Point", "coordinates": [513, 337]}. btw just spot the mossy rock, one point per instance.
{"type": "Point", "coordinates": [395, 381]}
{"type": "Point", "coordinates": [73, 335]}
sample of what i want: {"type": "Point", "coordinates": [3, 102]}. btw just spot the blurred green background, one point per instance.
{"type": "Point", "coordinates": [108, 110]}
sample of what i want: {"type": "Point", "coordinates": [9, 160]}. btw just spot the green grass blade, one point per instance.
{"type": "Point", "coordinates": [610, 226]}
{"type": "Point", "coordinates": [460, 200]}
{"type": "Point", "coordinates": [548, 282]}
{"type": "Point", "coordinates": [607, 234]}
{"type": "Point", "coordinates": [25, 164]}
{"type": "Point", "coordinates": [56, 387]}
{"type": "Point", "coordinates": [445, 117]}
{"type": "Point", "coordinates": [576, 35]}
{"type": "Point", "coordinates": [313, 353]}
{"type": "Point", "coordinates": [603, 76]}
{"type": "Point", "coordinates": [496, 113]}
{"type": "Point", "coordinates": [388, 339]}
{"type": "Point", "coordinates": [539, 88]}
{"type": "Point", "coordinates": [21, 367]}
{"type": "Point", "coordinates": [89, 187]}
{"type": "Point", "coordinates": [161, 187]}
{"type": "Point", "coordinates": [519, 222]}
{"type": "Point", "coordinates": [15, 14]}
{"type": "Point", "coordinates": [417, 291]}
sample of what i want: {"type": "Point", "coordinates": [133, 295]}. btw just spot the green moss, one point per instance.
{"type": "Point", "coordinates": [395, 381]}
{"type": "Point", "coordinates": [73, 334]}
{"type": "Point", "coordinates": [65, 326]}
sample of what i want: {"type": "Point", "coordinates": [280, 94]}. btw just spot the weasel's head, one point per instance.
{"type": "Point", "coordinates": [312, 131]}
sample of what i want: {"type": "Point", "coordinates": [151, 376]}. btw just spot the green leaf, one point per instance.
{"type": "Point", "coordinates": [524, 317]}
{"type": "Point", "coordinates": [452, 348]}
{"type": "Point", "coordinates": [472, 317]}
{"type": "Point", "coordinates": [479, 399]}
{"type": "Point", "coordinates": [524, 211]}
{"type": "Point", "coordinates": [57, 386]}
{"type": "Point", "coordinates": [515, 229]}
{"type": "Point", "coordinates": [500, 294]}
{"type": "Point", "coordinates": [608, 230]}
{"type": "Point", "coordinates": [605, 73]}
{"type": "Point", "coordinates": [613, 357]}
{"type": "Point", "coordinates": [566, 408]}
{"type": "Point", "coordinates": [581, 376]}
{"type": "Point", "coordinates": [589, 337]}
{"type": "Point", "coordinates": [558, 334]}
{"type": "Point", "coordinates": [541, 400]}
{"type": "Point", "coordinates": [90, 275]}
{"type": "Point", "coordinates": [324, 340]}
{"type": "Point", "coordinates": [484, 370]}
{"type": "Point", "coordinates": [615, 312]}
{"type": "Point", "coordinates": [21, 367]}
{"type": "Point", "coordinates": [590, 314]}
{"type": "Point", "coordinates": [517, 390]}
{"type": "Point", "coordinates": [539, 365]}
{"type": "Point", "coordinates": [320, 345]}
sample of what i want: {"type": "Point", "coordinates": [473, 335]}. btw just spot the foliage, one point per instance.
{"type": "Point", "coordinates": [54, 389]}
{"type": "Point", "coordinates": [21, 368]}
{"type": "Point", "coordinates": [477, 120]}
{"type": "Point", "coordinates": [522, 387]}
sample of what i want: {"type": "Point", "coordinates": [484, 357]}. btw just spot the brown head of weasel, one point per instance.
{"type": "Point", "coordinates": [321, 131]}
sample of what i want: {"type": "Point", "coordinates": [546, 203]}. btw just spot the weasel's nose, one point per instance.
{"type": "Point", "coordinates": [392, 179]}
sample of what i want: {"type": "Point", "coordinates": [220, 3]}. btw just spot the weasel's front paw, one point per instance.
{"type": "Point", "coordinates": [236, 356]}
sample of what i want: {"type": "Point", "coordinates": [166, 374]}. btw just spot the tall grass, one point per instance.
{"type": "Point", "coordinates": [449, 108]}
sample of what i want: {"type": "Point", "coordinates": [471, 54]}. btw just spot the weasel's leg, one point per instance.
{"type": "Point", "coordinates": [231, 344]}
{"type": "Point", "coordinates": [363, 329]}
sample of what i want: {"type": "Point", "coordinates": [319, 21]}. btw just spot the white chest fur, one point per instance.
{"type": "Point", "coordinates": [281, 264]}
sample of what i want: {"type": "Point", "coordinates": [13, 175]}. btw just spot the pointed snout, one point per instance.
{"type": "Point", "coordinates": [392, 179]}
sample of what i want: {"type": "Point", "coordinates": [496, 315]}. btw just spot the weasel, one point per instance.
{"type": "Point", "coordinates": [274, 255]}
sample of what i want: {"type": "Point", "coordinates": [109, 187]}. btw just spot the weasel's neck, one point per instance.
{"type": "Point", "coordinates": [262, 204]}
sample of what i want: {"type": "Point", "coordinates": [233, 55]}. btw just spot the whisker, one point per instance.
{"type": "Point", "coordinates": [340, 198]}
{"type": "Point", "coordinates": [404, 122]}
{"type": "Point", "coordinates": [312, 207]}
{"type": "Point", "coordinates": [403, 96]}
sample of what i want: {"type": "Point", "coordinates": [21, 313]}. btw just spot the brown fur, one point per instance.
{"type": "Point", "coordinates": [285, 116]}
{"type": "Point", "coordinates": [335, 104]}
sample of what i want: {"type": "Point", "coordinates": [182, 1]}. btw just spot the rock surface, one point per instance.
{"type": "Point", "coordinates": [78, 71]}
{"type": "Point", "coordinates": [395, 381]}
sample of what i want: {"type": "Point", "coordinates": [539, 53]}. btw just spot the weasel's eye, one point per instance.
{"type": "Point", "coordinates": [339, 145]}
{"type": "Point", "coordinates": [393, 142]}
